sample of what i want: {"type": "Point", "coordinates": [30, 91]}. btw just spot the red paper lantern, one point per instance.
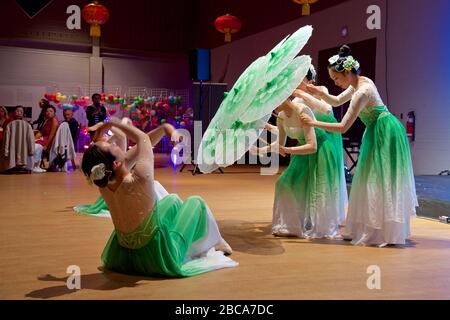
{"type": "Point", "coordinates": [95, 14]}
{"type": "Point", "coordinates": [228, 24]}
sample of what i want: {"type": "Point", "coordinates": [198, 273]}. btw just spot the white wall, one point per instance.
{"type": "Point", "coordinates": [418, 62]}
{"type": "Point", "coordinates": [417, 33]}
{"type": "Point", "coordinates": [151, 73]}
{"type": "Point", "coordinates": [27, 74]}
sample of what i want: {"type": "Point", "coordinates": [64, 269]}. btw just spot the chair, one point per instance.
{"type": "Point", "coordinates": [17, 147]}
{"type": "Point", "coordinates": [62, 148]}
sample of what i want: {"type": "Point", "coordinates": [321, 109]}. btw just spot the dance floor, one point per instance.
{"type": "Point", "coordinates": [41, 237]}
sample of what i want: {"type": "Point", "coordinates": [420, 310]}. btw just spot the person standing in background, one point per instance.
{"type": "Point", "coordinates": [95, 113]}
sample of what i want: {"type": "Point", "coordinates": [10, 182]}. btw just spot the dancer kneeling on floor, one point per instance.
{"type": "Point", "coordinates": [167, 237]}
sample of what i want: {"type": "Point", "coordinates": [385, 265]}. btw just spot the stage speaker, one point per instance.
{"type": "Point", "coordinates": [207, 98]}
{"type": "Point", "coordinates": [200, 65]}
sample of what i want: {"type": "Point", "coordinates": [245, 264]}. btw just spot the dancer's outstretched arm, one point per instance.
{"type": "Point", "coordinates": [314, 103]}
{"type": "Point", "coordinates": [322, 92]}
{"type": "Point", "coordinates": [359, 102]}
{"type": "Point", "coordinates": [141, 154]}
{"type": "Point", "coordinates": [274, 146]}
{"type": "Point", "coordinates": [118, 136]}
{"type": "Point", "coordinates": [311, 143]}
{"type": "Point", "coordinates": [155, 136]}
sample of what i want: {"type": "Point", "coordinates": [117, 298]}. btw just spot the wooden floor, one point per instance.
{"type": "Point", "coordinates": [41, 236]}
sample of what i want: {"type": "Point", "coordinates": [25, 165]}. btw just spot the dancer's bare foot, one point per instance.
{"type": "Point", "coordinates": [224, 247]}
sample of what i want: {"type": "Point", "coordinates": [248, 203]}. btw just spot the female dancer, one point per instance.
{"type": "Point", "coordinates": [307, 194]}
{"type": "Point", "coordinates": [99, 207]}
{"type": "Point", "coordinates": [324, 112]}
{"type": "Point", "coordinates": [382, 197]}
{"type": "Point", "coordinates": [151, 237]}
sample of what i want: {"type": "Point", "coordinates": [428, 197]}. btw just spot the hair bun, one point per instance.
{"type": "Point", "coordinates": [345, 51]}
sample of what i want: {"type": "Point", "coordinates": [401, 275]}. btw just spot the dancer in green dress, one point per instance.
{"type": "Point", "coordinates": [99, 207]}
{"type": "Point", "coordinates": [308, 194]}
{"type": "Point", "coordinates": [324, 112]}
{"type": "Point", "coordinates": [151, 237]}
{"type": "Point", "coordinates": [382, 197]}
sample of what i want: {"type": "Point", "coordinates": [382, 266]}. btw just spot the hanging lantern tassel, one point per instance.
{"type": "Point", "coordinates": [227, 35]}
{"type": "Point", "coordinates": [95, 30]}
{"type": "Point", "coordinates": [306, 6]}
{"type": "Point", "coordinates": [306, 9]}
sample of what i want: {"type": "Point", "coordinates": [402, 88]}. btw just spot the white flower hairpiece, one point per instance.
{"type": "Point", "coordinates": [97, 172]}
{"type": "Point", "coordinates": [347, 63]}
{"type": "Point", "coordinates": [334, 59]}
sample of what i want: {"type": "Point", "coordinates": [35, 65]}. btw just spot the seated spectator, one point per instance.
{"type": "Point", "coordinates": [17, 115]}
{"type": "Point", "coordinates": [43, 104]}
{"type": "Point", "coordinates": [44, 138]}
{"type": "Point", "coordinates": [74, 129]}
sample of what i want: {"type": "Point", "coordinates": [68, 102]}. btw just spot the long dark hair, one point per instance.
{"type": "Point", "coordinates": [93, 156]}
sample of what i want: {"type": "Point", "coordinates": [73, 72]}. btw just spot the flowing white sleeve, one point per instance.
{"type": "Point", "coordinates": [359, 102]}
{"type": "Point", "coordinates": [315, 104]}
{"type": "Point", "coordinates": [339, 100]}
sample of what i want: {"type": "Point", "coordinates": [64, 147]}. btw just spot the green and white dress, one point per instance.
{"type": "Point", "coordinates": [383, 194]}
{"type": "Point", "coordinates": [309, 195]}
{"type": "Point", "coordinates": [174, 238]}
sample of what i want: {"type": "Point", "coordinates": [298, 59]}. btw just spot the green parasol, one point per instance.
{"type": "Point", "coordinates": [241, 117]}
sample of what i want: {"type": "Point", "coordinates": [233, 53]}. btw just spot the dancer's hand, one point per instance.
{"type": "Point", "coordinates": [283, 151]}
{"type": "Point", "coordinates": [298, 93]}
{"type": "Point", "coordinates": [271, 128]}
{"type": "Point", "coordinates": [306, 120]}
{"type": "Point", "coordinates": [315, 90]}
{"type": "Point", "coordinates": [100, 130]}
{"type": "Point", "coordinates": [275, 147]}
{"type": "Point", "coordinates": [176, 137]}
{"type": "Point", "coordinates": [170, 132]}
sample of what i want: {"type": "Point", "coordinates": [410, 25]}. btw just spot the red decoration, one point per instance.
{"type": "Point", "coordinates": [228, 24]}
{"type": "Point", "coordinates": [95, 14]}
